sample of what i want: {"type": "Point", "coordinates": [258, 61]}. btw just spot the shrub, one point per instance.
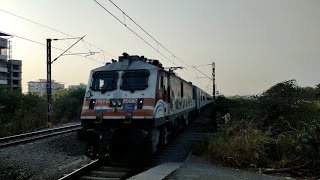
{"type": "Point", "coordinates": [239, 144]}
{"type": "Point", "coordinates": [67, 105]}
{"type": "Point", "coordinates": [279, 128]}
{"type": "Point", "coordinates": [20, 113]}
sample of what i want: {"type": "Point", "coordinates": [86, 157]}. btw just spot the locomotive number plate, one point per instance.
{"type": "Point", "coordinates": [128, 107]}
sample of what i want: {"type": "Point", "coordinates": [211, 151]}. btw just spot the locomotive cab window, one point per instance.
{"type": "Point", "coordinates": [135, 80]}
{"type": "Point", "coordinates": [104, 81]}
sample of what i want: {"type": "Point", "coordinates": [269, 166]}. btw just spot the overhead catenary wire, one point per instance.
{"type": "Point", "coordinates": [197, 77]}
{"type": "Point", "coordinates": [33, 41]}
{"type": "Point", "coordinates": [203, 73]}
{"type": "Point", "coordinates": [134, 32]}
{"type": "Point", "coordinates": [123, 23]}
{"type": "Point", "coordinates": [104, 52]}
{"type": "Point", "coordinates": [203, 65]}
{"type": "Point", "coordinates": [53, 29]}
{"type": "Point", "coordinates": [68, 49]}
{"type": "Point", "coordinates": [207, 87]}
{"type": "Point", "coordinates": [158, 43]}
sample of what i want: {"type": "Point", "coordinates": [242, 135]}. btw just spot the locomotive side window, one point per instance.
{"type": "Point", "coordinates": [135, 80]}
{"type": "Point", "coordinates": [104, 81]}
{"type": "Point", "coordinates": [181, 89]}
{"type": "Point", "coordinates": [161, 83]}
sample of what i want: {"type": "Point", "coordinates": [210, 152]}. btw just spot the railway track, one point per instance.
{"type": "Point", "coordinates": [176, 150]}
{"type": "Point", "coordinates": [23, 138]}
{"type": "Point", "coordinates": [101, 170]}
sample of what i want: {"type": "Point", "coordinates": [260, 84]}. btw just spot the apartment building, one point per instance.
{"type": "Point", "coordinates": [39, 87]}
{"type": "Point", "coordinates": [80, 86]}
{"type": "Point", "coordinates": [10, 69]}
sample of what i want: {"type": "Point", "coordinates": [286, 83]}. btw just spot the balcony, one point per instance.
{"type": "Point", "coordinates": [15, 78]}
{"type": "Point", "coordinates": [3, 69]}
{"type": "Point", "coordinates": [3, 43]}
{"type": "Point", "coordinates": [4, 82]}
{"type": "Point", "coordinates": [3, 57]}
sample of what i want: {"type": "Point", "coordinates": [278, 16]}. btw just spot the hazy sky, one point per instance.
{"type": "Point", "coordinates": [255, 44]}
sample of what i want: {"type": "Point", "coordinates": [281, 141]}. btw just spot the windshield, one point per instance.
{"type": "Point", "coordinates": [104, 81]}
{"type": "Point", "coordinates": [135, 80]}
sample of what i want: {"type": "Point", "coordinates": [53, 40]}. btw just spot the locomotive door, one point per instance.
{"type": "Point", "coordinates": [163, 91]}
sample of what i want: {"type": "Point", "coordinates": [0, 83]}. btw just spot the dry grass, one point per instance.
{"type": "Point", "coordinates": [239, 145]}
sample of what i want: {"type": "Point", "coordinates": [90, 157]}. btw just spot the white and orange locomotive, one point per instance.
{"type": "Point", "coordinates": [134, 103]}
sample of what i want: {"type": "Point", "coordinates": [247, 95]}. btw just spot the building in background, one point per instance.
{"type": "Point", "coordinates": [80, 86]}
{"type": "Point", "coordinates": [39, 87]}
{"type": "Point", "coordinates": [3, 59]}
{"type": "Point", "coordinates": [14, 74]}
{"type": "Point", "coordinates": [10, 69]}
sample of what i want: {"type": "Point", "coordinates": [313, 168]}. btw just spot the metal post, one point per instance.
{"type": "Point", "coordinates": [213, 80]}
{"type": "Point", "coordinates": [48, 84]}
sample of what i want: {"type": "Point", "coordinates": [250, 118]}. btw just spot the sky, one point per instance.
{"type": "Point", "coordinates": [254, 43]}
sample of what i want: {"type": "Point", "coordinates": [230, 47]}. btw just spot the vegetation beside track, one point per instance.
{"type": "Point", "coordinates": [279, 130]}
{"type": "Point", "coordinates": [20, 113]}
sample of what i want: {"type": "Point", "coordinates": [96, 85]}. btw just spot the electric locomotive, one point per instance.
{"type": "Point", "coordinates": [135, 103]}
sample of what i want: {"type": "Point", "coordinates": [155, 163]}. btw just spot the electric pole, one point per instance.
{"type": "Point", "coordinates": [213, 80]}
{"type": "Point", "coordinates": [49, 83]}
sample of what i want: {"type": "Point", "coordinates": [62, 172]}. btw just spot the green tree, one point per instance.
{"type": "Point", "coordinates": [67, 105]}
{"type": "Point", "coordinates": [317, 90]}
{"type": "Point", "coordinates": [20, 113]}
{"type": "Point", "coordinates": [286, 106]}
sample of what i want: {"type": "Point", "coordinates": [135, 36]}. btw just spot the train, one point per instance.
{"type": "Point", "coordinates": [135, 103]}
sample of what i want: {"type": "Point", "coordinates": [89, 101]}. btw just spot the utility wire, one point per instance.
{"type": "Point", "coordinates": [51, 29]}
{"type": "Point", "coordinates": [139, 36]}
{"type": "Point", "coordinates": [207, 88]}
{"type": "Point", "coordinates": [197, 77]}
{"type": "Point", "coordinates": [158, 43]}
{"type": "Point", "coordinates": [68, 49]}
{"type": "Point", "coordinates": [133, 31]}
{"type": "Point", "coordinates": [30, 40]}
{"type": "Point", "coordinates": [203, 73]}
{"type": "Point", "coordinates": [202, 65]}
{"type": "Point", "coordinates": [147, 32]}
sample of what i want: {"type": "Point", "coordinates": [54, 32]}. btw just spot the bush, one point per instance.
{"type": "Point", "coordinates": [20, 113]}
{"type": "Point", "coordinates": [280, 128]}
{"type": "Point", "coordinates": [67, 105]}
{"type": "Point", "coordinates": [239, 144]}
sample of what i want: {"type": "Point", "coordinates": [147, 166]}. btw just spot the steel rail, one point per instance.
{"type": "Point", "coordinates": [23, 138]}
{"type": "Point", "coordinates": [80, 171]}
{"type": "Point", "coordinates": [100, 169]}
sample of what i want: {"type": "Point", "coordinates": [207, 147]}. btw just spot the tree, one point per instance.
{"type": "Point", "coordinates": [317, 91]}
{"type": "Point", "coordinates": [287, 106]}
{"type": "Point", "coordinates": [20, 113]}
{"type": "Point", "coordinates": [67, 105]}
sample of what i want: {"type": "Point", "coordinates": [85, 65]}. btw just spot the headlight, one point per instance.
{"type": "Point", "coordinates": [92, 103]}
{"type": "Point", "coordinates": [113, 103]}
{"type": "Point", "coordinates": [119, 102]}
{"type": "Point", "coordinates": [140, 103]}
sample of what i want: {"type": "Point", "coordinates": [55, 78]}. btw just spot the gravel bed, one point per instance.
{"type": "Point", "coordinates": [47, 158]}
{"type": "Point", "coordinates": [50, 158]}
